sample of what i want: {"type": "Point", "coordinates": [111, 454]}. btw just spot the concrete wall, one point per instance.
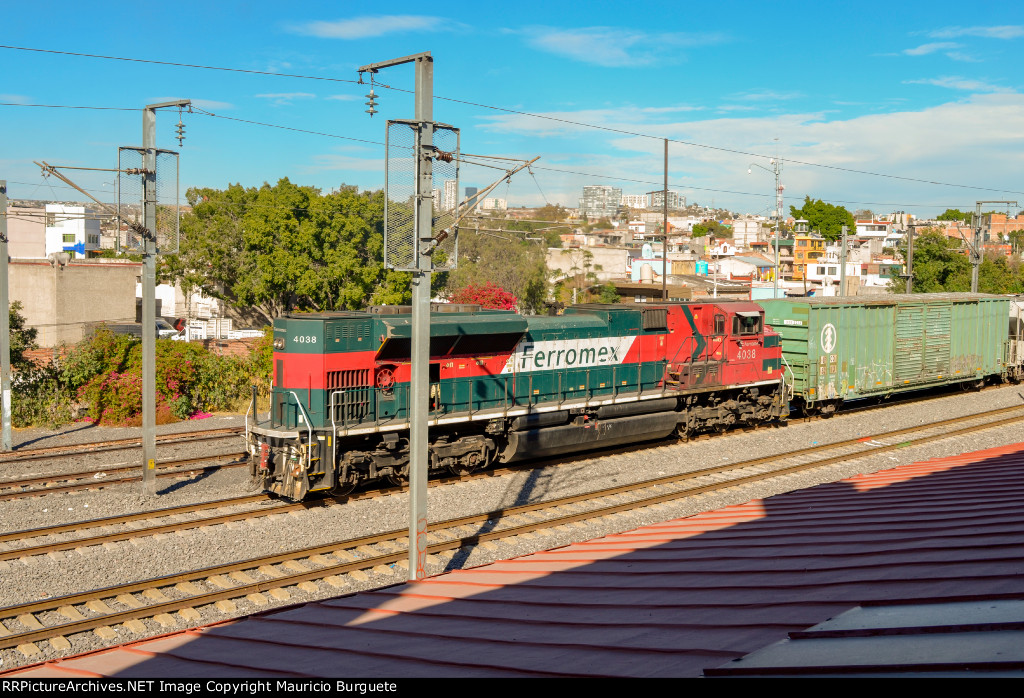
{"type": "Point", "coordinates": [61, 301]}
{"type": "Point", "coordinates": [613, 262]}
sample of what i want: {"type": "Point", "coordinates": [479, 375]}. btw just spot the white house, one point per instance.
{"type": "Point", "coordinates": [68, 230]}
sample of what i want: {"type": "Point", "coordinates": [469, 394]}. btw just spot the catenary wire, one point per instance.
{"type": "Point", "coordinates": [520, 113]}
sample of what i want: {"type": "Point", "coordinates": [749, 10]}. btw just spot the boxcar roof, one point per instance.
{"type": "Point", "coordinates": [889, 299]}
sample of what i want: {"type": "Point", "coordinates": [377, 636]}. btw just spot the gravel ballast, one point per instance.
{"type": "Point", "coordinates": [79, 570]}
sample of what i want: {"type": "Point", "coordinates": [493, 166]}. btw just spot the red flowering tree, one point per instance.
{"type": "Point", "coordinates": [490, 296]}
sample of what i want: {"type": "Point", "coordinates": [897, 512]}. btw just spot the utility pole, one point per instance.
{"type": "Point", "coordinates": [664, 239]}
{"type": "Point", "coordinates": [419, 398]}
{"type": "Point", "coordinates": [149, 253]}
{"type": "Point", "coordinates": [778, 222]}
{"type": "Point", "coordinates": [977, 223]}
{"type": "Point", "coordinates": [5, 323]}
{"type": "Point", "coordinates": [842, 264]}
{"type": "Point", "coordinates": [910, 257]}
{"type": "Point", "coordinates": [776, 170]}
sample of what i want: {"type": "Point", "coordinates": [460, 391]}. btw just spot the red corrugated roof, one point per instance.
{"type": "Point", "coordinates": [670, 599]}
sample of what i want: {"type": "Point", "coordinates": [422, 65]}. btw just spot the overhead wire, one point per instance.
{"type": "Point", "coordinates": [509, 111]}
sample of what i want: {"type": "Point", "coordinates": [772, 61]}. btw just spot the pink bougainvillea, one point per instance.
{"type": "Point", "coordinates": [489, 295]}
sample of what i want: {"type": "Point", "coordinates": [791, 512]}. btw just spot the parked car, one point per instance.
{"type": "Point", "coordinates": [164, 329]}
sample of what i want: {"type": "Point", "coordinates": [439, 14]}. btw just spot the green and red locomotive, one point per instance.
{"type": "Point", "coordinates": [505, 387]}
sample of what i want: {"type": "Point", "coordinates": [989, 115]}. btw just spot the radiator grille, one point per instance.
{"type": "Point", "coordinates": [350, 394]}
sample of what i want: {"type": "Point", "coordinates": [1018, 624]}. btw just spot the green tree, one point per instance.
{"type": "Point", "coordinates": [608, 294]}
{"type": "Point", "coordinates": [1016, 241]}
{"type": "Point", "coordinates": [580, 276]}
{"type": "Point", "coordinates": [519, 266]}
{"type": "Point", "coordinates": [22, 337]}
{"type": "Point", "coordinates": [938, 265]}
{"type": "Point", "coordinates": [551, 212]}
{"type": "Point", "coordinates": [953, 214]}
{"type": "Point", "coordinates": [713, 228]}
{"type": "Point", "coordinates": [285, 247]}
{"type": "Point", "coordinates": [825, 218]}
{"type": "Point", "coordinates": [941, 264]}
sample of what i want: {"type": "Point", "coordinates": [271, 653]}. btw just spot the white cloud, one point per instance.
{"type": "Point", "coordinates": [1000, 32]}
{"type": "Point", "coordinates": [561, 123]}
{"type": "Point", "coordinates": [955, 82]}
{"type": "Point", "coordinates": [925, 49]}
{"type": "Point", "coordinates": [201, 103]}
{"type": "Point", "coordinates": [736, 107]}
{"type": "Point", "coordinates": [212, 104]}
{"type": "Point", "coordinates": [614, 47]}
{"type": "Point", "coordinates": [15, 99]}
{"type": "Point", "coordinates": [372, 26]}
{"type": "Point", "coordinates": [764, 95]}
{"type": "Point", "coordinates": [345, 98]}
{"type": "Point", "coordinates": [280, 98]}
{"type": "Point", "coordinates": [333, 162]}
{"type": "Point", "coordinates": [963, 57]}
{"type": "Point", "coordinates": [671, 109]}
{"type": "Point", "coordinates": [976, 141]}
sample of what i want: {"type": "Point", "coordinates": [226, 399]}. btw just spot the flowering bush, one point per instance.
{"type": "Point", "coordinates": [102, 378]}
{"type": "Point", "coordinates": [489, 296]}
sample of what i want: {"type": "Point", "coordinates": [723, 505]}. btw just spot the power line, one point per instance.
{"type": "Point", "coordinates": [65, 106]}
{"type": "Point", "coordinates": [286, 128]}
{"type": "Point", "coordinates": [178, 65]}
{"type": "Point", "coordinates": [509, 111]}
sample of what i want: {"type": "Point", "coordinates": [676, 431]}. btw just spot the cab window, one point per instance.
{"type": "Point", "coordinates": [719, 324]}
{"type": "Point", "coordinates": [746, 324]}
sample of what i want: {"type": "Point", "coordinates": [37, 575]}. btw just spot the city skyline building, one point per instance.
{"type": "Point", "coordinates": [451, 194]}
{"type": "Point", "coordinates": [600, 201]}
{"type": "Point", "coordinates": [675, 199]}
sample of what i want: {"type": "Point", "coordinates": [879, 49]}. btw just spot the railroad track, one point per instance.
{"type": "Point", "coordinates": [104, 477]}
{"type": "Point", "coordinates": [146, 606]}
{"type": "Point", "coordinates": [99, 477]}
{"type": "Point", "coordinates": [27, 454]}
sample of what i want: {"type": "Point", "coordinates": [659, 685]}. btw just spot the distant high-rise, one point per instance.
{"type": "Point", "coordinates": [451, 194]}
{"type": "Point", "coordinates": [471, 195]}
{"type": "Point", "coordinates": [600, 201]}
{"type": "Point", "coordinates": [635, 200]}
{"type": "Point", "coordinates": [675, 199]}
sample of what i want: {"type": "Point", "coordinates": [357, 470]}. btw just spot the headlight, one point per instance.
{"type": "Point", "coordinates": [279, 343]}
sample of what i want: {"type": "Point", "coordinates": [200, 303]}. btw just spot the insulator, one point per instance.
{"type": "Point", "coordinates": [443, 156]}
{"type": "Point", "coordinates": [372, 103]}
{"type": "Point", "coordinates": [181, 132]}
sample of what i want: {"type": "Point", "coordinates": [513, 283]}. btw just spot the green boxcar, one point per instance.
{"type": "Point", "coordinates": [848, 348]}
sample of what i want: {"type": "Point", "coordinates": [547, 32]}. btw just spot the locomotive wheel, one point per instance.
{"type": "Point", "coordinates": [397, 479]}
{"type": "Point", "coordinates": [343, 489]}
{"type": "Point", "coordinates": [476, 462]}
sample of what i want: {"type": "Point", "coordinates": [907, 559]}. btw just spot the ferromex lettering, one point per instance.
{"type": "Point", "coordinates": [568, 353]}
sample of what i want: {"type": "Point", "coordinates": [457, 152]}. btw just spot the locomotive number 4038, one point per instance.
{"type": "Point", "coordinates": [743, 354]}
{"type": "Point", "coordinates": [305, 339]}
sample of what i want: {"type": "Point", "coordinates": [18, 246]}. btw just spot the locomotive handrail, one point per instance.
{"type": "Point", "coordinates": [792, 384]}
{"type": "Point", "coordinates": [309, 428]}
{"type": "Point", "coordinates": [255, 417]}
{"type": "Point", "coordinates": [330, 406]}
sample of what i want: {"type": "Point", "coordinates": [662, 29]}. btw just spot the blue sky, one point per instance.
{"type": "Point", "coordinates": [920, 91]}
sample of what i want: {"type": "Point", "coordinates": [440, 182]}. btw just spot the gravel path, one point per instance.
{"type": "Point", "coordinates": [84, 569]}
